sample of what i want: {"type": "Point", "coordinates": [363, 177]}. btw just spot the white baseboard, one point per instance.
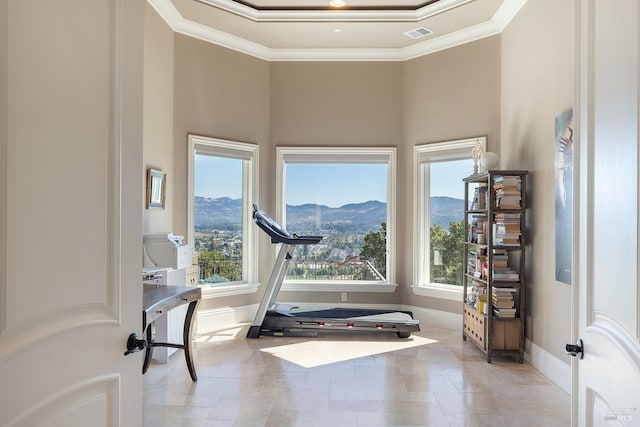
{"type": "Point", "coordinates": [217, 318]}
{"type": "Point", "coordinates": [549, 365]}
{"type": "Point", "coordinates": [437, 318]}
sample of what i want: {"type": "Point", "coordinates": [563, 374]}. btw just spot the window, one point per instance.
{"type": "Point", "coordinates": [439, 169]}
{"type": "Point", "coordinates": [222, 189]}
{"type": "Point", "coordinates": [346, 195]}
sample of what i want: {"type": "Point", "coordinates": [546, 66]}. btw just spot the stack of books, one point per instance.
{"type": "Point", "coordinates": [506, 229]}
{"type": "Point", "coordinates": [500, 266]}
{"type": "Point", "coordinates": [503, 302]}
{"type": "Point", "coordinates": [500, 259]}
{"type": "Point", "coordinates": [507, 190]}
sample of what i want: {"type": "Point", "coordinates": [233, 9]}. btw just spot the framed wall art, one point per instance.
{"type": "Point", "coordinates": [156, 189]}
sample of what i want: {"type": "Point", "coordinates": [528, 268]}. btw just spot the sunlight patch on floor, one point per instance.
{"type": "Point", "coordinates": [313, 353]}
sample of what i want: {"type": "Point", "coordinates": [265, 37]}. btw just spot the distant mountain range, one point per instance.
{"type": "Point", "coordinates": [226, 213]}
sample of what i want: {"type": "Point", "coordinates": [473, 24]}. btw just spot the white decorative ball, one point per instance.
{"type": "Point", "coordinates": [489, 160]}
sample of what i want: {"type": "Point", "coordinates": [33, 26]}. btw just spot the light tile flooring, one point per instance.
{"type": "Point", "coordinates": [431, 379]}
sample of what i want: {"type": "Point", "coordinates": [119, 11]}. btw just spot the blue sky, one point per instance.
{"type": "Point", "coordinates": [328, 184]}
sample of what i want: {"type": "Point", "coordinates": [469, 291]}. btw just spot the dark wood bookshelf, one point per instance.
{"type": "Point", "coordinates": [496, 331]}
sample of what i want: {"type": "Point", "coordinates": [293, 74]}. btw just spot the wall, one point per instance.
{"type": "Point", "coordinates": [158, 116]}
{"type": "Point", "coordinates": [537, 86]}
{"type": "Point", "coordinates": [336, 104]}
{"type": "Point", "coordinates": [222, 94]}
{"type": "Point", "coordinates": [449, 95]}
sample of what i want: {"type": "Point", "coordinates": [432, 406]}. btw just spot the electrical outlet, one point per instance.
{"type": "Point", "coordinates": [344, 297]}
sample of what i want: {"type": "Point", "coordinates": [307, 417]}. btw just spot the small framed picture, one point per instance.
{"type": "Point", "coordinates": [156, 189]}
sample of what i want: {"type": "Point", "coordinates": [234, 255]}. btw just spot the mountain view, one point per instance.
{"type": "Point", "coordinates": [227, 213]}
{"type": "Point", "coordinates": [343, 253]}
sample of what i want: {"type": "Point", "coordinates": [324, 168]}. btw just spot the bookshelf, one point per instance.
{"type": "Point", "coordinates": [494, 262]}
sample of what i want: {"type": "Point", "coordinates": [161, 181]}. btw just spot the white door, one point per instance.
{"type": "Point", "coordinates": [606, 383]}
{"type": "Point", "coordinates": [70, 211]}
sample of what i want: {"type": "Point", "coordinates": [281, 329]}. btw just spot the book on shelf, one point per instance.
{"type": "Point", "coordinates": [505, 289]}
{"type": "Point", "coordinates": [505, 274]}
{"type": "Point", "coordinates": [503, 303]}
{"type": "Point", "coordinates": [507, 190]}
{"type": "Point", "coordinates": [504, 313]}
{"type": "Point", "coordinates": [507, 181]}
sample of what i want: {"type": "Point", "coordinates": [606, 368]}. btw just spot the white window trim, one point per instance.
{"type": "Point", "coordinates": [237, 150]}
{"type": "Point", "coordinates": [385, 155]}
{"type": "Point", "coordinates": [424, 154]}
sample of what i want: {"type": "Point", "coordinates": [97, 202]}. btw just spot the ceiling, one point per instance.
{"type": "Point", "coordinates": [361, 30]}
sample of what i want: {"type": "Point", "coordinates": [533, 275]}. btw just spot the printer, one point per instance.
{"type": "Point", "coordinates": [167, 250]}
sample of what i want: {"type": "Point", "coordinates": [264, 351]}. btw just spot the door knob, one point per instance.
{"type": "Point", "coordinates": [575, 350]}
{"type": "Point", "coordinates": [135, 343]}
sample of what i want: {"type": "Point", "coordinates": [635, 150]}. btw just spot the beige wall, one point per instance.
{"type": "Point", "coordinates": [449, 95]}
{"type": "Point", "coordinates": [537, 86]}
{"type": "Point", "coordinates": [336, 104]}
{"type": "Point", "coordinates": [222, 94]}
{"type": "Point", "coordinates": [158, 116]}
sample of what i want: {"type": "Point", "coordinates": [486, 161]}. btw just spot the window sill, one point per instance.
{"type": "Point", "coordinates": [449, 292]}
{"type": "Point", "coordinates": [210, 291]}
{"type": "Point", "coordinates": [338, 287]}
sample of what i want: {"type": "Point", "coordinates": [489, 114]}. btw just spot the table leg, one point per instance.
{"type": "Point", "coordinates": [149, 350]}
{"type": "Point", "coordinates": [186, 339]}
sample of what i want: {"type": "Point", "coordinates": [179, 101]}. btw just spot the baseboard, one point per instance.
{"type": "Point", "coordinates": [216, 318]}
{"type": "Point", "coordinates": [437, 318]}
{"type": "Point", "coordinates": [549, 365]}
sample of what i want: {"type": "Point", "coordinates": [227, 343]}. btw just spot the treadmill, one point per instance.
{"type": "Point", "coordinates": [274, 319]}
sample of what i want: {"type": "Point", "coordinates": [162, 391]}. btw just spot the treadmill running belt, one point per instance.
{"type": "Point", "coordinates": [343, 313]}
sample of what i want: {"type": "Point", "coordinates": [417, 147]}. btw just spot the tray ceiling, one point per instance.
{"type": "Point", "coordinates": [361, 30]}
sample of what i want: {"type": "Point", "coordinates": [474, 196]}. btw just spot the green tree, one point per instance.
{"type": "Point", "coordinates": [375, 249]}
{"type": "Point", "coordinates": [213, 263]}
{"type": "Point", "coordinates": [449, 244]}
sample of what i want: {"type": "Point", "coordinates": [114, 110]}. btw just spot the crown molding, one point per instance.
{"type": "Point", "coordinates": [330, 15]}
{"type": "Point", "coordinates": [179, 24]}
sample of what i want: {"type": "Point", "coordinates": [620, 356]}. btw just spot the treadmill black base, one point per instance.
{"type": "Point", "coordinates": [308, 324]}
{"type": "Point", "coordinates": [254, 332]}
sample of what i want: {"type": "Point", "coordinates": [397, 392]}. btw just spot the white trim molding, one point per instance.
{"type": "Point", "coordinates": [319, 286]}
{"type": "Point", "coordinates": [180, 24]}
{"type": "Point", "coordinates": [324, 15]}
{"type": "Point", "coordinates": [448, 292]}
{"type": "Point", "coordinates": [423, 155]}
{"type": "Point", "coordinates": [353, 155]}
{"type": "Point", "coordinates": [249, 154]}
{"type": "Point", "coordinates": [549, 365]}
{"type": "Point", "coordinates": [216, 318]}
{"type": "Point", "coordinates": [437, 318]}
{"type": "Point", "coordinates": [220, 291]}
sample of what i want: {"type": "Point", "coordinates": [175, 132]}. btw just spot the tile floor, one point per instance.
{"type": "Point", "coordinates": [431, 379]}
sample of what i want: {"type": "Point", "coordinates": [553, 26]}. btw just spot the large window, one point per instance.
{"type": "Point", "coordinates": [222, 189]}
{"type": "Point", "coordinates": [347, 196]}
{"type": "Point", "coordinates": [439, 169]}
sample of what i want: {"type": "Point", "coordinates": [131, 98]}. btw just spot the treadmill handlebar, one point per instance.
{"type": "Point", "coordinates": [279, 234]}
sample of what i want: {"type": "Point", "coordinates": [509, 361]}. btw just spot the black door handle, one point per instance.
{"type": "Point", "coordinates": [575, 350]}
{"type": "Point", "coordinates": [135, 343]}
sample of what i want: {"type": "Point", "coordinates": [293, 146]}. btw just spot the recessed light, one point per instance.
{"type": "Point", "coordinates": [337, 3]}
{"type": "Point", "coordinates": [337, 30]}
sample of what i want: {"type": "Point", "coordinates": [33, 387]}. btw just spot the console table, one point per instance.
{"type": "Point", "coordinates": [158, 300]}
